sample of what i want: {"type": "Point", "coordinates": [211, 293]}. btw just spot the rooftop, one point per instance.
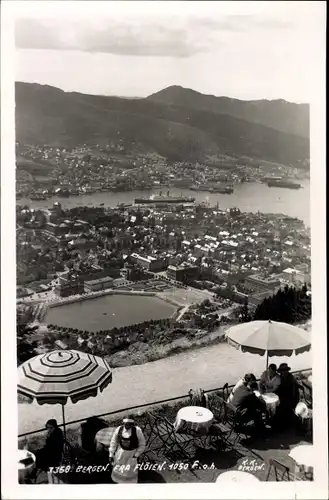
{"type": "Point", "coordinates": [292, 271]}
{"type": "Point", "coordinates": [263, 278]}
{"type": "Point", "coordinates": [106, 279]}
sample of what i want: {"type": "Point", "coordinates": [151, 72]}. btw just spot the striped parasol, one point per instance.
{"type": "Point", "coordinates": [57, 376]}
{"type": "Point", "coordinates": [272, 338]}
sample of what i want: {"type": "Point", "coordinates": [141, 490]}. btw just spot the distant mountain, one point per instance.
{"type": "Point", "coordinates": [47, 115]}
{"type": "Point", "coordinates": [278, 114]}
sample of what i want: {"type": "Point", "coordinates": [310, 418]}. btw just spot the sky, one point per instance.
{"type": "Point", "coordinates": [246, 50]}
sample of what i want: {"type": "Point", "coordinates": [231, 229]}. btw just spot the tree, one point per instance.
{"type": "Point", "coordinates": [289, 305]}
{"type": "Point", "coordinates": [26, 348]}
{"type": "Point", "coordinates": [244, 314]}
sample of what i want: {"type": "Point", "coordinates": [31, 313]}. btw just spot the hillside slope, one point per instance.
{"type": "Point", "coordinates": [279, 114]}
{"type": "Point", "coordinates": [46, 115]}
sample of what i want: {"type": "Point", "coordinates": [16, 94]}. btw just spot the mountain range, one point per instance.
{"type": "Point", "coordinates": [176, 123]}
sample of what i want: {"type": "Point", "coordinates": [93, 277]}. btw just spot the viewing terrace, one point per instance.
{"type": "Point", "coordinates": [202, 461]}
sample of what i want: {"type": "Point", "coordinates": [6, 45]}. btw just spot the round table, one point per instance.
{"type": "Point", "coordinates": [25, 470]}
{"type": "Point", "coordinates": [193, 419]}
{"type": "Point", "coordinates": [236, 476]}
{"type": "Point", "coordinates": [304, 457]}
{"type": "Point", "coordinates": [103, 438]}
{"type": "Point", "coordinates": [271, 400]}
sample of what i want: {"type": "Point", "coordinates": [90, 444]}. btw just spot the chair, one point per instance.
{"type": "Point", "coordinates": [218, 435]}
{"type": "Point", "coordinates": [305, 419]}
{"type": "Point", "coordinates": [162, 437]}
{"type": "Point", "coordinates": [199, 398]}
{"type": "Point", "coordinates": [54, 478]}
{"type": "Point", "coordinates": [232, 420]}
{"type": "Point", "coordinates": [217, 404]}
{"type": "Point", "coordinates": [226, 391]}
{"type": "Point", "coordinates": [306, 390]}
{"type": "Point", "coordinates": [71, 457]}
{"type": "Point", "coordinates": [281, 472]}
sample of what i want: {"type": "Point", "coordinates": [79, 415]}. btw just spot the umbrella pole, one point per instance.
{"type": "Point", "coordinates": [266, 360]}
{"type": "Point", "coordinates": [63, 418]}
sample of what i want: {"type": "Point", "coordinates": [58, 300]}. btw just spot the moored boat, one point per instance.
{"type": "Point", "coordinates": [284, 184]}
{"type": "Point", "coordinates": [164, 199]}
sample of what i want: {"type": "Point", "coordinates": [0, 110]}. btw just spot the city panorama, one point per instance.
{"type": "Point", "coordinates": [164, 285]}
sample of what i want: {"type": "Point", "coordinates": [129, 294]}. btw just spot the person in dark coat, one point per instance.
{"type": "Point", "coordinates": [249, 406]}
{"type": "Point", "coordinates": [288, 393]}
{"type": "Point", "coordinates": [51, 454]}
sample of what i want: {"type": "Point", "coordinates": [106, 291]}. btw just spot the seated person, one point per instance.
{"type": "Point", "coordinates": [248, 405]}
{"type": "Point", "coordinates": [89, 430]}
{"type": "Point", "coordinates": [249, 377]}
{"type": "Point", "coordinates": [288, 393]}
{"type": "Point", "coordinates": [51, 454]}
{"type": "Point", "coordinates": [269, 380]}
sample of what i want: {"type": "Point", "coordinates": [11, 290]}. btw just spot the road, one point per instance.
{"type": "Point", "coordinates": [182, 312]}
{"type": "Point", "coordinates": [207, 367]}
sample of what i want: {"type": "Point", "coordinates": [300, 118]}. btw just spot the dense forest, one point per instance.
{"type": "Point", "coordinates": [288, 305]}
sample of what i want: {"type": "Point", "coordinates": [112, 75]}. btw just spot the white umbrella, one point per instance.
{"type": "Point", "coordinates": [269, 337]}
{"type": "Point", "coordinates": [56, 376]}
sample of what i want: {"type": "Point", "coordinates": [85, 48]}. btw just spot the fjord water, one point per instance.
{"type": "Point", "coordinates": [248, 197]}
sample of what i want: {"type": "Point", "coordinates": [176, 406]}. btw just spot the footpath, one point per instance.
{"type": "Point", "coordinates": [207, 368]}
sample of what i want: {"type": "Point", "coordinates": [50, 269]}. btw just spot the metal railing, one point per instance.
{"type": "Point", "coordinates": [145, 405]}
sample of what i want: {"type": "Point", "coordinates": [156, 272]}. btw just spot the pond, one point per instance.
{"type": "Point", "coordinates": [109, 311]}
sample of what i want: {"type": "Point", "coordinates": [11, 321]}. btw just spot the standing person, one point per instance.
{"type": "Point", "coordinates": [270, 379]}
{"type": "Point", "coordinates": [127, 444]}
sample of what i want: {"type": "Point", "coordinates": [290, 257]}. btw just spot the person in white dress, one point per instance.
{"type": "Point", "coordinates": [127, 444]}
{"type": "Point", "coordinates": [270, 380]}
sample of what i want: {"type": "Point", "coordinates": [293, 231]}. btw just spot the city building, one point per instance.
{"type": "Point", "coordinates": [111, 270]}
{"type": "Point", "coordinates": [257, 298]}
{"type": "Point", "coordinates": [60, 345]}
{"type": "Point", "coordinates": [52, 227]}
{"type": "Point", "coordinates": [99, 284]}
{"type": "Point", "coordinates": [71, 285]}
{"type": "Point", "coordinates": [119, 282]}
{"type": "Point", "coordinates": [150, 263]}
{"type": "Point", "coordinates": [92, 273]}
{"type": "Point", "coordinates": [136, 273]}
{"type": "Point", "coordinates": [55, 212]}
{"type": "Point", "coordinates": [295, 276]}
{"type": "Point", "coordinates": [81, 224]}
{"type": "Point", "coordinates": [258, 283]}
{"type": "Point", "coordinates": [182, 273]}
